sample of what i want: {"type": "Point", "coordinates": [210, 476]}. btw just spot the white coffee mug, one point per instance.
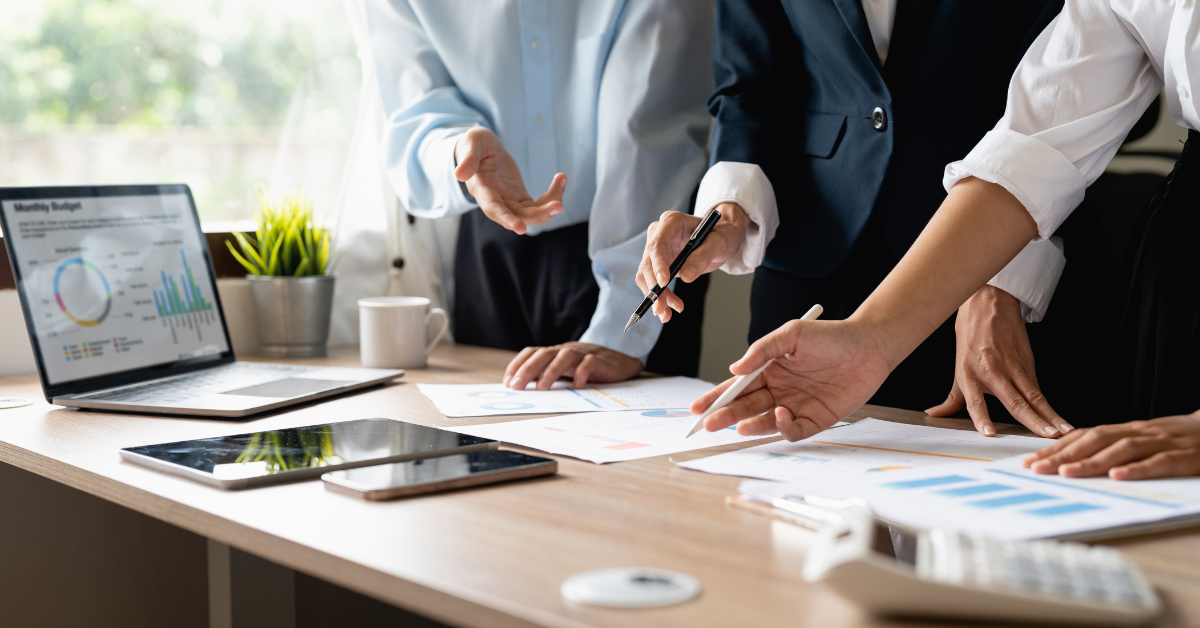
{"type": "Point", "coordinates": [393, 331]}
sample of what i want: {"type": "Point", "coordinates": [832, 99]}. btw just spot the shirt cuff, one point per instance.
{"type": "Point", "coordinates": [1032, 276]}
{"type": "Point", "coordinates": [748, 186]}
{"type": "Point", "coordinates": [1041, 178]}
{"type": "Point", "coordinates": [615, 270]}
{"type": "Point", "coordinates": [438, 149]}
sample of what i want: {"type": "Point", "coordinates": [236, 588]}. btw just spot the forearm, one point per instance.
{"type": "Point", "coordinates": [977, 230]}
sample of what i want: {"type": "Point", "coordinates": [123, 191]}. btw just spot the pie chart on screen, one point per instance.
{"type": "Point", "coordinates": [665, 413]}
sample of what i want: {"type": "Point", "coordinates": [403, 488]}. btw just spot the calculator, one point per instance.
{"type": "Point", "coordinates": [949, 575]}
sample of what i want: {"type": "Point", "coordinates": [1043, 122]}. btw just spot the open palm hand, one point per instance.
{"type": "Point", "coordinates": [493, 178]}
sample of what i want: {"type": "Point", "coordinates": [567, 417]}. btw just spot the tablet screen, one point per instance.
{"type": "Point", "coordinates": [277, 452]}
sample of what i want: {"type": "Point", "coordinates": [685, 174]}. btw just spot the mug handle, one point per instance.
{"type": "Point", "coordinates": [441, 332]}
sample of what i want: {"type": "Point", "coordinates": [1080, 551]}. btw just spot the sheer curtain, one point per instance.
{"type": "Point", "coordinates": [373, 228]}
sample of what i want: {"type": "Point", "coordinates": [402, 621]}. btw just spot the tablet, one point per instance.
{"type": "Point", "coordinates": [274, 456]}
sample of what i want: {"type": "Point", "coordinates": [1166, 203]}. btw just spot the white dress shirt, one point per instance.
{"type": "Point", "coordinates": [610, 92]}
{"type": "Point", "coordinates": [1031, 277]}
{"type": "Point", "coordinates": [1076, 94]}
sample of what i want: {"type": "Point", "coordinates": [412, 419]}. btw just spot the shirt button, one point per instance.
{"type": "Point", "coordinates": [879, 119]}
{"type": "Point", "coordinates": [535, 43]}
{"type": "Point", "coordinates": [1183, 91]}
{"type": "Point", "coordinates": [642, 329]}
{"type": "Point", "coordinates": [1184, 4]}
{"type": "Point", "coordinates": [539, 120]}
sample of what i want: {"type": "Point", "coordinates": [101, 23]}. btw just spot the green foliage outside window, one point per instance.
{"type": "Point", "coordinates": [157, 63]}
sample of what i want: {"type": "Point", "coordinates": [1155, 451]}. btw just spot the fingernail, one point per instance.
{"type": "Point", "coordinates": [517, 382]}
{"type": "Point", "coordinates": [989, 430]}
{"type": "Point", "coordinates": [928, 410]}
{"type": "Point", "coordinates": [662, 279]}
{"type": "Point", "coordinates": [1069, 468]}
{"type": "Point", "coordinates": [1041, 466]}
{"type": "Point", "coordinates": [1049, 431]}
{"type": "Point", "coordinates": [1065, 427]}
{"type": "Point", "coordinates": [555, 212]}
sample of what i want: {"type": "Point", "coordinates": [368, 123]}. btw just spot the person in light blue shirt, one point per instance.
{"type": "Point", "coordinates": [601, 103]}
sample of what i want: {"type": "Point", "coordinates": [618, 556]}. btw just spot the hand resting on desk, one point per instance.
{"type": "Point", "coordinates": [994, 357]}
{"type": "Point", "coordinates": [580, 361]}
{"type": "Point", "coordinates": [1138, 450]}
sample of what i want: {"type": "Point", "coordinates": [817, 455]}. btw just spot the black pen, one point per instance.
{"type": "Point", "coordinates": [698, 236]}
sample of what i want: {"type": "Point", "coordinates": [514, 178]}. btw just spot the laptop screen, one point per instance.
{"type": "Point", "coordinates": [113, 283]}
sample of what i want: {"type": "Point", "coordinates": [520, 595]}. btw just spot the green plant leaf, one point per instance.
{"type": "Point", "coordinates": [250, 268]}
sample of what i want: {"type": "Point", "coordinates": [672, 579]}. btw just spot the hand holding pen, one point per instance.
{"type": "Point", "coordinates": [667, 237]}
{"type": "Point", "coordinates": [694, 241]}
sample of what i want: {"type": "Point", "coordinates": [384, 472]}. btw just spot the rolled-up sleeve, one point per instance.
{"type": "Point", "coordinates": [426, 113]}
{"type": "Point", "coordinates": [651, 130]}
{"type": "Point", "coordinates": [1074, 97]}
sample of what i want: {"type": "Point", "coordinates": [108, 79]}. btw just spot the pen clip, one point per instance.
{"type": "Point", "coordinates": [700, 226]}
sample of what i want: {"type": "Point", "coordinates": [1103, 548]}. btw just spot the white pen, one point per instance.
{"type": "Point", "coordinates": [743, 381]}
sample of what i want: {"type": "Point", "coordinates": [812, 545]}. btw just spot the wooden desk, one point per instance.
{"type": "Point", "coordinates": [493, 556]}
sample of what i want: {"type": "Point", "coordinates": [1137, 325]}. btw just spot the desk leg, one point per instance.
{"type": "Point", "coordinates": [245, 591]}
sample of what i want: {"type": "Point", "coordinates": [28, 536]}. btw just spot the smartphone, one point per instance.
{"type": "Point", "coordinates": [443, 473]}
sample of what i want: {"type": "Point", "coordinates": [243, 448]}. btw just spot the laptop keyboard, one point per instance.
{"type": "Point", "coordinates": [218, 380]}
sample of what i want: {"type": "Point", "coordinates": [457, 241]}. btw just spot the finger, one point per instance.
{"type": "Point", "coordinates": [1054, 447]}
{"type": "Point", "coordinates": [1121, 452]}
{"type": "Point", "coordinates": [565, 359]}
{"type": "Point", "coordinates": [532, 367]}
{"type": "Point", "coordinates": [952, 404]}
{"type": "Point", "coordinates": [666, 242]}
{"type": "Point", "coordinates": [1032, 393]}
{"type": "Point", "coordinates": [554, 194]}
{"type": "Point", "coordinates": [1087, 444]}
{"type": "Point", "coordinates": [517, 362]}
{"type": "Point", "coordinates": [671, 300]}
{"type": "Point", "coordinates": [645, 274]}
{"type": "Point", "coordinates": [795, 428]}
{"type": "Point", "coordinates": [976, 405]}
{"type": "Point", "coordinates": [1177, 463]}
{"type": "Point", "coordinates": [1019, 407]}
{"type": "Point", "coordinates": [494, 208]}
{"type": "Point", "coordinates": [587, 366]}
{"type": "Point", "coordinates": [701, 260]}
{"type": "Point", "coordinates": [468, 160]}
{"type": "Point", "coordinates": [778, 343]}
{"type": "Point", "coordinates": [701, 403]}
{"type": "Point", "coordinates": [744, 407]}
{"type": "Point", "coordinates": [762, 425]}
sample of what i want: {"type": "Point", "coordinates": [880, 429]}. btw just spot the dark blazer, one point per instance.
{"type": "Point", "coordinates": [798, 83]}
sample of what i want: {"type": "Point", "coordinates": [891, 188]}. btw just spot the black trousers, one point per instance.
{"type": "Point", "coordinates": [922, 380]}
{"type": "Point", "coordinates": [514, 291]}
{"type": "Point", "coordinates": [1119, 341]}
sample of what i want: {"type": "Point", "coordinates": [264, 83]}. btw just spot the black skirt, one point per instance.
{"type": "Point", "coordinates": [1158, 357]}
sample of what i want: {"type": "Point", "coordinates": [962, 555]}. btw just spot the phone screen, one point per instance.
{"type": "Point", "coordinates": [440, 469]}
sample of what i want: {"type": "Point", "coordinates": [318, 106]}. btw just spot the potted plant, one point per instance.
{"type": "Point", "coordinates": [288, 259]}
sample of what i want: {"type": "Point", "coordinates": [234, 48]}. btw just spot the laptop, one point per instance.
{"type": "Point", "coordinates": [123, 313]}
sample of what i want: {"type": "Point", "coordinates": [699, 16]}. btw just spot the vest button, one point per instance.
{"type": "Point", "coordinates": [879, 119]}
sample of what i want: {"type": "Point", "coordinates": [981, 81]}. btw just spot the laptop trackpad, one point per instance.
{"type": "Point", "coordinates": [290, 387]}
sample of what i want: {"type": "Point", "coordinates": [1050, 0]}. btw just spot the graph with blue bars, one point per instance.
{"type": "Point", "coordinates": [183, 297]}
{"type": "Point", "coordinates": [987, 495]}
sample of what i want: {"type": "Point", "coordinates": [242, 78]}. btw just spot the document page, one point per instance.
{"type": "Point", "coordinates": [868, 446]}
{"type": "Point", "coordinates": [1001, 499]}
{"type": "Point", "coordinates": [463, 400]}
{"type": "Point", "coordinates": [608, 436]}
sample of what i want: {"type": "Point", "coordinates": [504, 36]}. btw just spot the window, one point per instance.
{"type": "Point", "coordinates": [222, 95]}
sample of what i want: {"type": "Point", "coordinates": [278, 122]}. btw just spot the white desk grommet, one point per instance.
{"type": "Point", "coordinates": [13, 402]}
{"type": "Point", "coordinates": [630, 587]}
